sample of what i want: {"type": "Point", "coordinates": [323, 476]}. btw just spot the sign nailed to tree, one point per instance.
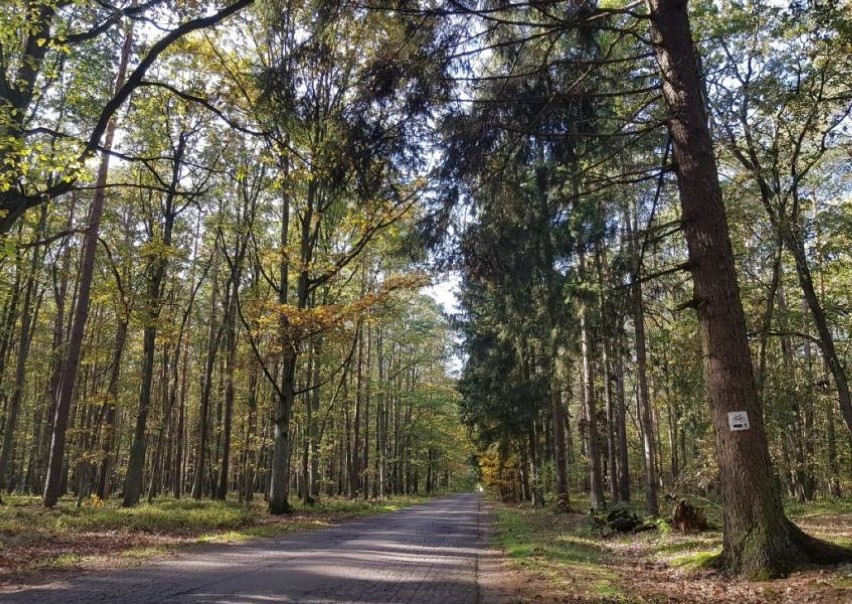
{"type": "Point", "coordinates": [738, 420]}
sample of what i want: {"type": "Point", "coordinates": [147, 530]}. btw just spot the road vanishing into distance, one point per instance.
{"type": "Point", "coordinates": [432, 552]}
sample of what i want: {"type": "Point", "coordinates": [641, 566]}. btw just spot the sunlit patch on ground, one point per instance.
{"type": "Point", "coordinates": [35, 540]}
{"type": "Point", "coordinates": [556, 557]}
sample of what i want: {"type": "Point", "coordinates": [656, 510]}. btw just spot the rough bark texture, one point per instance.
{"type": "Point", "coordinates": [758, 541]}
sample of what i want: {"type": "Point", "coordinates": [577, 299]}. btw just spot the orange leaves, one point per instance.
{"type": "Point", "coordinates": [290, 324]}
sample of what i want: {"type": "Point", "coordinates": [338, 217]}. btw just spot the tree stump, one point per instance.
{"type": "Point", "coordinates": [686, 518]}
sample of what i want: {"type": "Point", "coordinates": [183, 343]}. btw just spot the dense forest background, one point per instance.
{"type": "Point", "coordinates": [227, 280]}
{"type": "Point", "coordinates": [217, 220]}
{"type": "Point", "coordinates": [576, 277]}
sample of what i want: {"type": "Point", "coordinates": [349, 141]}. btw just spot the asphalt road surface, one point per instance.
{"type": "Point", "coordinates": [433, 552]}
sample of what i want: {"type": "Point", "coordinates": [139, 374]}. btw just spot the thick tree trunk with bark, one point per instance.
{"type": "Point", "coordinates": [759, 541]}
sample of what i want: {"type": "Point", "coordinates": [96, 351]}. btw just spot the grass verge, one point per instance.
{"type": "Point", "coordinates": [556, 554]}
{"type": "Point", "coordinates": [100, 535]}
{"type": "Point", "coordinates": [554, 557]}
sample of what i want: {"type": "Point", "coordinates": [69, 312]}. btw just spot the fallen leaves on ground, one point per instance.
{"type": "Point", "coordinates": [648, 568]}
{"type": "Point", "coordinates": [35, 543]}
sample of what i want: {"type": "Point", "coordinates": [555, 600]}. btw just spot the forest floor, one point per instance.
{"type": "Point", "coordinates": [556, 557]}
{"type": "Point", "coordinates": [36, 543]}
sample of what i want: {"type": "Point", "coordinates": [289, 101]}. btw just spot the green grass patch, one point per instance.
{"type": "Point", "coordinates": [691, 544]}
{"type": "Point", "coordinates": [557, 548]}
{"type": "Point", "coordinates": [697, 560]}
{"type": "Point", "coordinates": [64, 561]}
{"type": "Point", "coordinates": [820, 507]}
{"type": "Point", "coordinates": [567, 557]}
{"type": "Point", "coordinates": [33, 538]}
{"type": "Point", "coordinates": [180, 516]}
{"type": "Point", "coordinates": [142, 553]}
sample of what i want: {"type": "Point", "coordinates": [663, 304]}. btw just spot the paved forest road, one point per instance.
{"type": "Point", "coordinates": [427, 553]}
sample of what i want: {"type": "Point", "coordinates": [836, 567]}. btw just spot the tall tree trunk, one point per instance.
{"type": "Point", "coordinates": [157, 268]}
{"type": "Point", "coordinates": [789, 233]}
{"type": "Point", "coordinates": [71, 363]}
{"type": "Point", "coordinates": [279, 490]}
{"type": "Point", "coordinates": [180, 373]}
{"type": "Point", "coordinates": [102, 490]}
{"type": "Point", "coordinates": [621, 427]}
{"type": "Point", "coordinates": [24, 340]}
{"type": "Point", "coordinates": [230, 371]}
{"type": "Point", "coordinates": [645, 412]}
{"type": "Point", "coordinates": [596, 493]}
{"type": "Point", "coordinates": [833, 460]}
{"type": "Point", "coordinates": [368, 390]}
{"type": "Point", "coordinates": [766, 322]}
{"type": "Point", "coordinates": [10, 314]}
{"type": "Point", "coordinates": [180, 436]}
{"type": "Point", "coordinates": [758, 539]}
{"type": "Point", "coordinates": [279, 483]}
{"type": "Point", "coordinates": [43, 427]}
{"type": "Point", "coordinates": [355, 455]}
{"type": "Point", "coordinates": [561, 459]}
{"type": "Point", "coordinates": [310, 467]}
{"type": "Point", "coordinates": [136, 464]}
{"type": "Point", "coordinates": [250, 460]}
{"type": "Point", "coordinates": [214, 338]}
{"type": "Point", "coordinates": [611, 424]}
{"type": "Point", "coordinates": [306, 436]}
{"type": "Point", "coordinates": [826, 339]}
{"type": "Point", "coordinates": [381, 420]}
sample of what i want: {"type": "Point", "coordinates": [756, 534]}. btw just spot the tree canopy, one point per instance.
{"type": "Point", "coordinates": [218, 218]}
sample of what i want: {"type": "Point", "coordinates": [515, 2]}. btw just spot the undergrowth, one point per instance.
{"type": "Point", "coordinates": [559, 557]}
